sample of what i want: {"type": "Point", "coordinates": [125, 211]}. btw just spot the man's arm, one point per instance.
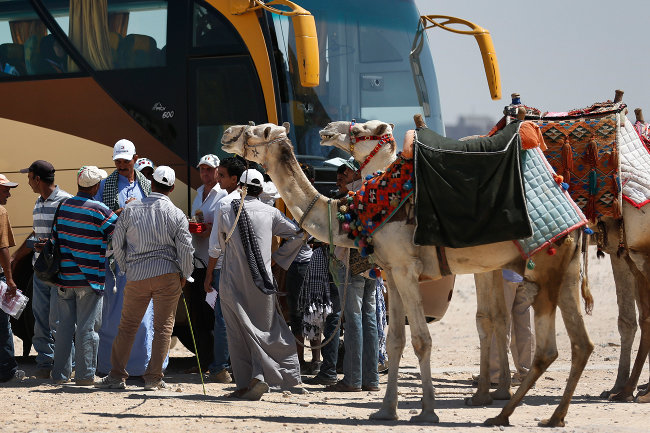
{"type": "Point", "coordinates": [207, 283]}
{"type": "Point", "coordinates": [5, 262]}
{"type": "Point", "coordinates": [286, 229]}
{"type": "Point", "coordinates": [184, 248]}
{"type": "Point", "coordinates": [119, 242]}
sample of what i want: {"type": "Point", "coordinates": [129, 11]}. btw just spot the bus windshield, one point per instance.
{"type": "Point", "coordinates": [366, 71]}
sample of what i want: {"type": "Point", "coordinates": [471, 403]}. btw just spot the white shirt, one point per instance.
{"type": "Point", "coordinates": [214, 249]}
{"type": "Point", "coordinates": [208, 207]}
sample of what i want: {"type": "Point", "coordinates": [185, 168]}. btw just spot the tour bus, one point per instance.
{"type": "Point", "coordinates": [171, 76]}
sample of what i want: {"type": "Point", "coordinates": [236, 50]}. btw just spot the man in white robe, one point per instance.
{"type": "Point", "coordinates": [262, 347]}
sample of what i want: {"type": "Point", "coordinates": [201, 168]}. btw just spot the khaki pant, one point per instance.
{"type": "Point", "coordinates": [165, 291]}
{"type": "Point", "coordinates": [522, 343]}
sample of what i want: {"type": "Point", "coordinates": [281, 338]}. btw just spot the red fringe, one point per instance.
{"type": "Point", "coordinates": [567, 160]}
{"type": "Point", "coordinates": [613, 158]}
{"type": "Point", "coordinates": [616, 204]}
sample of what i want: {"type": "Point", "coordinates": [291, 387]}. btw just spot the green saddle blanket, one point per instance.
{"type": "Point", "coordinates": [470, 192]}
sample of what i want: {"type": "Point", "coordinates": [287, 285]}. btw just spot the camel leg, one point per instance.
{"type": "Point", "coordinates": [395, 341]}
{"type": "Point", "coordinates": [581, 349]}
{"type": "Point", "coordinates": [625, 283]}
{"type": "Point", "coordinates": [643, 287]}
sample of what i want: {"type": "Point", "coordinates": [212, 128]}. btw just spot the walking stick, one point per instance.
{"type": "Point", "coordinates": [196, 351]}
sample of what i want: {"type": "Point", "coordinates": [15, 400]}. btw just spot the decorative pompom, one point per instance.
{"type": "Point", "coordinates": [372, 273]}
{"type": "Point", "coordinates": [368, 177]}
{"type": "Point", "coordinates": [370, 249]}
{"type": "Point", "coordinates": [565, 186]}
{"type": "Point", "coordinates": [408, 185]}
{"type": "Point", "coordinates": [600, 254]}
{"type": "Point", "coordinates": [558, 179]}
{"type": "Point", "coordinates": [346, 227]}
{"type": "Point", "coordinates": [343, 208]}
{"type": "Point", "coordinates": [589, 231]}
{"type": "Point", "coordinates": [364, 252]}
{"type": "Point", "coordinates": [348, 217]}
{"type": "Point", "coordinates": [530, 265]}
{"type": "Point", "coordinates": [351, 193]}
{"type": "Point", "coordinates": [355, 233]}
{"type": "Point", "coordinates": [394, 202]}
{"type": "Point", "coordinates": [369, 239]}
{"type": "Point", "coordinates": [356, 242]}
{"type": "Point", "coordinates": [362, 243]}
{"type": "Point", "coordinates": [351, 205]}
{"type": "Point", "coordinates": [551, 251]}
{"type": "Point", "coordinates": [340, 217]}
{"type": "Point", "coordinates": [350, 199]}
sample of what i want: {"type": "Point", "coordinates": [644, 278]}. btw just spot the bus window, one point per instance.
{"type": "Point", "coordinates": [26, 47]}
{"type": "Point", "coordinates": [114, 34]}
{"type": "Point", "coordinates": [212, 32]}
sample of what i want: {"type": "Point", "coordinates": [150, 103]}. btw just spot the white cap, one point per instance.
{"type": "Point", "coordinates": [164, 175]}
{"type": "Point", "coordinates": [89, 175]}
{"type": "Point", "coordinates": [141, 163]}
{"type": "Point", "coordinates": [252, 177]}
{"type": "Point", "coordinates": [210, 160]}
{"type": "Point", "coordinates": [123, 149]}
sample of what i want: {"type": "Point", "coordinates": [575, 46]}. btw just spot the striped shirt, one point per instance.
{"type": "Point", "coordinates": [82, 228]}
{"type": "Point", "coordinates": [152, 238]}
{"type": "Point", "coordinates": [43, 214]}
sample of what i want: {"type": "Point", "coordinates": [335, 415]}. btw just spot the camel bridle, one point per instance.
{"type": "Point", "coordinates": [381, 140]}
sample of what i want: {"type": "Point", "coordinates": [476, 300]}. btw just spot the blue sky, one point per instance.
{"type": "Point", "coordinates": [559, 55]}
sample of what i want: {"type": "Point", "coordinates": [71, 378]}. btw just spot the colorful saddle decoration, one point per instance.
{"type": "Point", "coordinates": [382, 194]}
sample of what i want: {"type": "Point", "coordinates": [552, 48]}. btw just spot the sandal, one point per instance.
{"type": "Point", "coordinates": [341, 386]}
{"type": "Point", "coordinates": [238, 393]}
{"type": "Point", "coordinates": [255, 392]}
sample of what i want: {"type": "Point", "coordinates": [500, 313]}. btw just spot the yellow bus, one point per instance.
{"type": "Point", "coordinates": [171, 76]}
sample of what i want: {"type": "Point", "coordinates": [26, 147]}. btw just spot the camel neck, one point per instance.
{"type": "Point", "coordinates": [298, 193]}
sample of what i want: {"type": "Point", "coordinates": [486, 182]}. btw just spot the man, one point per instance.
{"type": "Point", "coordinates": [44, 297]}
{"type": "Point", "coordinates": [228, 173]}
{"type": "Point", "coordinates": [361, 340]}
{"type": "Point", "coordinates": [153, 246]}
{"type": "Point", "coordinates": [203, 208]}
{"type": "Point", "coordinates": [122, 186]}
{"type": "Point", "coordinates": [8, 365]}
{"type": "Point", "coordinates": [146, 167]}
{"type": "Point", "coordinates": [82, 229]}
{"type": "Point", "coordinates": [262, 348]}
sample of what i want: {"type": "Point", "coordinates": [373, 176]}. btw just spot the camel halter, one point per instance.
{"type": "Point", "coordinates": [381, 140]}
{"type": "Point", "coordinates": [253, 146]}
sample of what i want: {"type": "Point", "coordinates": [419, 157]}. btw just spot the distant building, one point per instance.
{"type": "Point", "coordinates": [470, 125]}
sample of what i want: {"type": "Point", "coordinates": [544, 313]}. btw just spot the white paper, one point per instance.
{"type": "Point", "coordinates": [211, 298]}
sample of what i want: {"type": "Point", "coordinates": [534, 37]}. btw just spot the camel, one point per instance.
{"type": "Point", "coordinates": [362, 141]}
{"type": "Point", "coordinates": [628, 246]}
{"type": "Point", "coordinates": [556, 277]}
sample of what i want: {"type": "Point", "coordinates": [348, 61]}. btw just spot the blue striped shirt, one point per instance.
{"type": "Point", "coordinates": [152, 238]}
{"type": "Point", "coordinates": [43, 214]}
{"type": "Point", "coordinates": [83, 227]}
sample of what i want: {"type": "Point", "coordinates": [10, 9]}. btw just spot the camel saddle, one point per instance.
{"type": "Point", "coordinates": [470, 192]}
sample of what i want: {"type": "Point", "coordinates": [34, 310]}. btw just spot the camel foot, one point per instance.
{"type": "Point", "coordinates": [385, 415]}
{"type": "Point", "coordinates": [551, 422]}
{"type": "Point", "coordinates": [497, 420]}
{"type": "Point", "coordinates": [425, 417]}
{"type": "Point", "coordinates": [643, 398]}
{"type": "Point", "coordinates": [505, 394]}
{"type": "Point", "coordinates": [607, 393]}
{"type": "Point", "coordinates": [478, 400]}
{"type": "Point", "coordinates": [622, 396]}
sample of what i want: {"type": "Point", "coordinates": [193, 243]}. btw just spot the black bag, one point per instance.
{"type": "Point", "coordinates": [48, 262]}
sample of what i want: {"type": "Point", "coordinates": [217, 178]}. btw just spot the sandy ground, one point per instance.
{"type": "Point", "coordinates": [36, 405]}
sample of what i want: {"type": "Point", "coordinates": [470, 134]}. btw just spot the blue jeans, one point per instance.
{"type": "Point", "coordinates": [330, 352]}
{"type": "Point", "coordinates": [361, 339]}
{"type": "Point", "coordinates": [221, 355]}
{"type": "Point", "coordinates": [44, 306]}
{"type": "Point", "coordinates": [81, 307]}
{"type": "Point", "coordinates": [8, 363]}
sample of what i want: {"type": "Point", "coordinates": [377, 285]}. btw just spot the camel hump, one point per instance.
{"type": "Point", "coordinates": [407, 148]}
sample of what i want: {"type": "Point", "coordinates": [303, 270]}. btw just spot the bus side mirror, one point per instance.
{"type": "Point", "coordinates": [306, 49]}
{"type": "Point", "coordinates": [484, 41]}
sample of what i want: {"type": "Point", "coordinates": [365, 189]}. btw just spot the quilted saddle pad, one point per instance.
{"type": "Point", "coordinates": [635, 163]}
{"type": "Point", "coordinates": [551, 210]}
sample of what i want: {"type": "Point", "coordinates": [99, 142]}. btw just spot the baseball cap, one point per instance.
{"type": "Point", "coordinates": [6, 182]}
{"type": "Point", "coordinates": [40, 168]}
{"type": "Point", "coordinates": [350, 163]}
{"type": "Point", "coordinates": [210, 160]}
{"type": "Point", "coordinates": [123, 149]}
{"type": "Point", "coordinates": [252, 177]}
{"type": "Point", "coordinates": [164, 175]}
{"type": "Point", "coordinates": [141, 163]}
{"type": "Point", "coordinates": [89, 175]}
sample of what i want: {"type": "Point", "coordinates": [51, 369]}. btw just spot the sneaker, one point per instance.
{"type": "Point", "coordinates": [109, 382]}
{"type": "Point", "coordinates": [155, 386]}
{"type": "Point", "coordinates": [320, 380]}
{"type": "Point", "coordinates": [43, 373]}
{"type": "Point", "coordinates": [61, 381]}
{"type": "Point", "coordinates": [221, 377]}
{"type": "Point", "coordinates": [19, 375]}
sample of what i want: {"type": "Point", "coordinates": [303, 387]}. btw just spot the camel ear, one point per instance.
{"type": "Point", "coordinates": [286, 126]}
{"type": "Point", "coordinates": [251, 123]}
{"type": "Point", "coordinates": [381, 129]}
{"type": "Point", "coordinates": [392, 126]}
{"type": "Point", "coordinates": [267, 132]}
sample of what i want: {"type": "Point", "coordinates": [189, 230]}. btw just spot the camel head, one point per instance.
{"type": "Point", "coordinates": [361, 139]}
{"type": "Point", "coordinates": [252, 141]}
